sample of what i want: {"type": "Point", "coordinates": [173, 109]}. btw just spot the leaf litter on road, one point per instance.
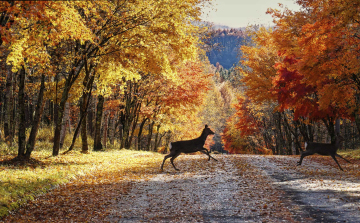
{"type": "Point", "coordinates": [238, 188]}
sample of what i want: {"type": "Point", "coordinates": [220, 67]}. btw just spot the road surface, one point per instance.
{"type": "Point", "coordinates": [237, 188]}
{"type": "Point", "coordinates": [242, 188]}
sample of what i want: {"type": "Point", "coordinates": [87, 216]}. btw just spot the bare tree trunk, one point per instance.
{"type": "Point", "coordinates": [306, 130]}
{"type": "Point", "coordinates": [330, 126]}
{"type": "Point", "coordinates": [296, 146]}
{"type": "Point", "coordinates": [64, 97]}
{"type": "Point", "coordinates": [112, 129]}
{"type": "Point", "coordinates": [79, 125]}
{"type": "Point", "coordinates": [105, 129]}
{"type": "Point", "coordinates": [151, 125]}
{"type": "Point", "coordinates": [140, 133]}
{"type": "Point", "coordinates": [65, 120]}
{"type": "Point", "coordinates": [60, 114]}
{"type": "Point", "coordinates": [156, 138]}
{"type": "Point", "coordinates": [135, 121]}
{"type": "Point", "coordinates": [22, 120]}
{"type": "Point", "coordinates": [90, 117]}
{"type": "Point", "coordinates": [36, 120]}
{"type": "Point", "coordinates": [99, 114]}
{"type": "Point", "coordinates": [9, 118]}
{"type": "Point", "coordinates": [84, 144]}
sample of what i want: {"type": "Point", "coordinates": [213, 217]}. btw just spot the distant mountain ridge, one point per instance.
{"type": "Point", "coordinates": [226, 45]}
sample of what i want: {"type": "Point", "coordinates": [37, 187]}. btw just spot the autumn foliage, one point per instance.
{"type": "Point", "coordinates": [304, 70]}
{"type": "Point", "coordinates": [132, 68]}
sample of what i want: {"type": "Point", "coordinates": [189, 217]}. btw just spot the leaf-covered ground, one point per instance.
{"type": "Point", "coordinates": [84, 178]}
{"type": "Point", "coordinates": [237, 188]}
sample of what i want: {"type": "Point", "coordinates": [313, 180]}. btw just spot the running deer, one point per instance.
{"type": "Point", "coordinates": [189, 146]}
{"type": "Point", "coordinates": [324, 149]}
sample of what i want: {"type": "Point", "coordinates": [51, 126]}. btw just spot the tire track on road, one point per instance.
{"type": "Point", "coordinates": [331, 197]}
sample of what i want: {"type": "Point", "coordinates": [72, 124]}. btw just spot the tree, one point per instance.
{"type": "Point", "coordinates": [27, 35]}
{"type": "Point", "coordinates": [318, 46]}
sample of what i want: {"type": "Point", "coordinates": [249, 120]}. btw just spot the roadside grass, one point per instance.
{"type": "Point", "coordinates": [22, 183]}
{"type": "Point", "coordinates": [352, 154]}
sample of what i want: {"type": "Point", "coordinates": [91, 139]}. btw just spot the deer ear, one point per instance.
{"type": "Point", "coordinates": [206, 126]}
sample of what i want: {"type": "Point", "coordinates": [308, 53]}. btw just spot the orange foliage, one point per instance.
{"type": "Point", "coordinates": [323, 40]}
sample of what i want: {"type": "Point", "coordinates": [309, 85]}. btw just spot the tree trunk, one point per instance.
{"type": "Point", "coordinates": [156, 138]}
{"type": "Point", "coordinates": [60, 115]}
{"type": "Point", "coordinates": [79, 125]}
{"type": "Point", "coordinates": [140, 132]}
{"type": "Point", "coordinates": [306, 130]}
{"type": "Point", "coordinates": [105, 129]}
{"type": "Point", "coordinates": [65, 120]}
{"type": "Point", "coordinates": [22, 120]}
{"type": "Point", "coordinates": [84, 147]}
{"type": "Point", "coordinates": [99, 114]}
{"type": "Point", "coordinates": [296, 146]}
{"type": "Point", "coordinates": [357, 120]}
{"type": "Point", "coordinates": [330, 126]}
{"type": "Point", "coordinates": [90, 117]}
{"type": "Point", "coordinates": [36, 120]}
{"type": "Point", "coordinates": [74, 73]}
{"type": "Point", "coordinates": [76, 133]}
{"type": "Point", "coordinates": [151, 125]}
{"type": "Point", "coordinates": [135, 121]}
{"type": "Point", "coordinates": [112, 129]}
{"type": "Point", "coordinates": [9, 118]}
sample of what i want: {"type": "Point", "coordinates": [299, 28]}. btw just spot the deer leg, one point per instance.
{"type": "Point", "coordinates": [205, 153]}
{"type": "Point", "coordinates": [171, 154]}
{"type": "Point", "coordinates": [208, 153]}
{"type": "Point", "coordinates": [342, 158]}
{"type": "Point", "coordinates": [304, 154]}
{"type": "Point", "coordinates": [333, 156]}
{"type": "Point", "coordinates": [172, 159]}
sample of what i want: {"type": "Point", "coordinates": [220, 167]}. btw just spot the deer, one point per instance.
{"type": "Point", "coordinates": [189, 146]}
{"type": "Point", "coordinates": [325, 149]}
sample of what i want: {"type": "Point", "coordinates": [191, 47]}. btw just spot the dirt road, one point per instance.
{"type": "Point", "coordinates": [242, 188]}
{"type": "Point", "coordinates": [237, 188]}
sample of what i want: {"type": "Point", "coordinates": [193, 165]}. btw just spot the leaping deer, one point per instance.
{"type": "Point", "coordinates": [324, 149]}
{"type": "Point", "coordinates": [189, 146]}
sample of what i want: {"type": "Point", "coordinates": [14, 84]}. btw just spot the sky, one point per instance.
{"type": "Point", "coordinates": [241, 13]}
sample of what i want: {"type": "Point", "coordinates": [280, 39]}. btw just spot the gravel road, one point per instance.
{"type": "Point", "coordinates": [241, 188]}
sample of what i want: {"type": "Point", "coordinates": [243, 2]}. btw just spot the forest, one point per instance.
{"type": "Point", "coordinates": [109, 83]}
{"type": "Point", "coordinates": [101, 76]}
{"type": "Point", "coordinates": [90, 77]}
{"type": "Point", "coordinates": [97, 72]}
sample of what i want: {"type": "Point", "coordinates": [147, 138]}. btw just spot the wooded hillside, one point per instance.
{"type": "Point", "coordinates": [226, 45]}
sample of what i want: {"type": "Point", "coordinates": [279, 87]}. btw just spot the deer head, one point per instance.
{"type": "Point", "coordinates": [207, 131]}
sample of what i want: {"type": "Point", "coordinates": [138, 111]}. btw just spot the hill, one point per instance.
{"type": "Point", "coordinates": [226, 44]}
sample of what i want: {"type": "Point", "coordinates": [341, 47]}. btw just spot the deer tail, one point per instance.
{"type": "Point", "coordinates": [170, 146]}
